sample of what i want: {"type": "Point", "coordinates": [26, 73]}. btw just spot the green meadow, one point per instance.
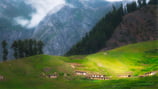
{"type": "Point", "coordinates": [134, 59]}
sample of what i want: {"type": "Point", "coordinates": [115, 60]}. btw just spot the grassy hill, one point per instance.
{"type": "Point", "coordinates": [135, 59]}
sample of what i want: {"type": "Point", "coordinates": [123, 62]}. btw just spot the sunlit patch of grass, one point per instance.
{"type": "Point", "coordinates": [123, 60]}
{"type": "Point", "coordinates": [113, 67]}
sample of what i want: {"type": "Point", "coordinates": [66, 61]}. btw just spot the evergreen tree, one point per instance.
{"type": "Point", "coordinates": [35, 47]}
{"type": "Point", "coordinates": [20, 49]}
{"type": "Point", "coordinates": [132, 7]}
{"type": "Point", "coordinates": [5, 50]}
{"type": "Point", "coordinates": [15, 48]}
{"type": "Point", "coordinates": [40, 47]}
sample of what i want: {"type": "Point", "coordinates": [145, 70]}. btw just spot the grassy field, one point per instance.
{"type": "Point", "coordinates": [133, 59]}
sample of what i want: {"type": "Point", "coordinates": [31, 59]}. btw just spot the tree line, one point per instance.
{"type": "Point", "coordinates": [23, 48]}
{"type": "Point", "coordinates": [95, 40]}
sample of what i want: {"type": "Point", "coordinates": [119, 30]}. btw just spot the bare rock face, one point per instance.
{"type": "Point", "coordinates": [141, 25]}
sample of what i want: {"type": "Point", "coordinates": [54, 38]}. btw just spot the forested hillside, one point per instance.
{"type": "Point", "coordinates": [103, 31]}
{"type": "Point", "coordinates": [138, 26]}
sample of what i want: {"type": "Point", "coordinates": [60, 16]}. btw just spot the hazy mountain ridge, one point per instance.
{"type": "Point", "coordinates": [62, 30]}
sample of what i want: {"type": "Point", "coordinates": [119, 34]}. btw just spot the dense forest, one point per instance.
{"type": "Point", "coordinates": [26, 48]}
{"type": "Point", "coordinates": [95, 40]}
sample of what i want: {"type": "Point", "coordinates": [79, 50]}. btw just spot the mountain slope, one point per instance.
{"type": "Point", "coordinates": [114, 30]}
{"type": "Point", "coordinates": [65, 28]}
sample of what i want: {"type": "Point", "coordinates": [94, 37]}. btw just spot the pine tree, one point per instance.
{"type": "Point", "coordinates": [132, 7]}
{"type": "Point", "coordinates": [5, 50]}
{"type": "Point", "coordinates": [30, 46]}
{"type": "Point", "coordinates": [15, 48]}
{"type": "Point", "coordinates": [35, 49]}
{"type": "Point", "coordinates": [40, 47]}
{"type": "Point", "coordinates": [20, 49]}
{"type": "Point", "coordinates": [26, 47]}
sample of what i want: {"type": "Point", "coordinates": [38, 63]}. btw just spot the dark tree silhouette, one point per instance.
{"type": "Point", "coordinates": [40, 46]}
{"type": "Point", "coordinates": [15, 48]}
{"type": "Point", "coordinates": [5, 50]}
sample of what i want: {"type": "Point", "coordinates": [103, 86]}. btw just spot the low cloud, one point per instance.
{"type": "Point", "coordinates": [22, 21]}
{"type": "Point", "coordinates": [43, 8]}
